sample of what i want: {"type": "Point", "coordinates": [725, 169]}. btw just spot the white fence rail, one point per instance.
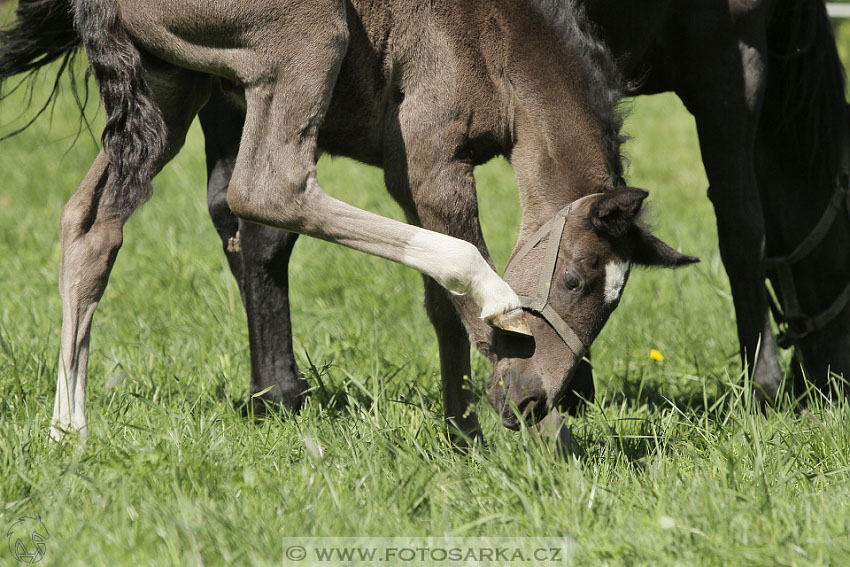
{"type": "Point", "coordinates": [838, 10]}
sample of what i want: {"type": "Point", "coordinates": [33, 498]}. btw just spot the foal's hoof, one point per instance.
{"type": "Point", "coordinates": [57, 434]}
{"type": "Point", "coordinates": [514, 322]}
{"type": "Point", "coordinates": [61, 433]}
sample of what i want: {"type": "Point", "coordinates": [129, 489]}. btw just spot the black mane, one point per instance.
{"type": "Point", "coordinates": [580, 36]}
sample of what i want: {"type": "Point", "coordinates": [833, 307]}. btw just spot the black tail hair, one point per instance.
{"type": "Point", "coordinates": [42, 33]}
{"type": "Point", "coordinates": [135, 133]}
{"type": "Point", "coordinates": [805, 102]}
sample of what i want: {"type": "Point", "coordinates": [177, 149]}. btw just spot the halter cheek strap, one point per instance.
{"type": "Point", "coordinates": [539, 302]}
{"type": "Point", "coordinates": [797, 324]}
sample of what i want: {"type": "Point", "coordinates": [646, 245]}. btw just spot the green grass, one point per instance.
{"type": "Point", "coordinates": [678, 469]}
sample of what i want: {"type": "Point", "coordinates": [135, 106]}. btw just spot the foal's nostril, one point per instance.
{"type": "Point", "coordinates": [528, 410]}
{"type": "Point", "coordinates": [531, 409]}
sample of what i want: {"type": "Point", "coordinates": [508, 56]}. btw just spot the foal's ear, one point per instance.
{"type": "Point", "coordinates": [647, 250]}
{"type": "Point", "coordinates": [615, 211]}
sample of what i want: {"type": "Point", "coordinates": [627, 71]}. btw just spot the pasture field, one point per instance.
{"type": "Point", "coordinates": [678, 467]}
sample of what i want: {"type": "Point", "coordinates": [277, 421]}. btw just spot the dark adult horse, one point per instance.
{"type": "Point", "coordinates": [764, 82]}
{"type": "Point", "coordinates": [424, 90]}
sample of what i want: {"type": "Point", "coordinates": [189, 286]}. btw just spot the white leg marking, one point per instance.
{"type": "Point", "coordinates": [615, 280]}
{"type": "Point", "coordinates": [61, 421]}
{"type": "Point", "coordinates": [69, 409]}
{"type": "Point", "coordinates": [458, 266]}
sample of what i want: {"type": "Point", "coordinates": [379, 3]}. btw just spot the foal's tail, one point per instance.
{"type": "Point", "coordinates": [135, 133]}
{"type": "Point", "coordinates": [805, 98]}
{"type": "Point", "coordinates": [42, 33]}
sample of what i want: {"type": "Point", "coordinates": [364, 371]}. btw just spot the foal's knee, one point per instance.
{"type": "Point", "coordinates": [270, 199]}
{"type": "Point", "coordinates": [222, 217]}
{"type": "Point", "coordinates": [265, 246]}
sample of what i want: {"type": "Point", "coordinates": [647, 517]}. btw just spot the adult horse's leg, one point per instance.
{"type": "Point", "coordinates": [91, 230]}
{"type": "Point", "coordinates": [259, 259]}
{"type": "Point", "coordinates": [803, 151]}
{"type": "Point", "coordinates": [725, 97]}
{"type": "Point", "coordinates": [796, 195]}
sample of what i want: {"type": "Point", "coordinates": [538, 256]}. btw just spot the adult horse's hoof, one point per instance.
{"type": "Point", "coordinates": [514, 322]}
{"type": "Point", "coordinates": [767, 382]}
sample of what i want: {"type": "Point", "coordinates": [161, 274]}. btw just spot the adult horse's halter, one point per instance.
{"type": "Point", "coordinates": [539, 302]}
{"type": "Point", "coordinates": [797, 324]}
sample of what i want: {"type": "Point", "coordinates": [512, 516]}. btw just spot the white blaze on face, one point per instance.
{"type": "Point", "coordinates": [615, 279]}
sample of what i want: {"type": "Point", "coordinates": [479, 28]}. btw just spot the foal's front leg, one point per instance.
{"type": "Point", "coordinates": [259, 259]}
{"type": "Point", "coordinates": [274, 180]}
{"type": "Point", "coordinates": [441, 197]}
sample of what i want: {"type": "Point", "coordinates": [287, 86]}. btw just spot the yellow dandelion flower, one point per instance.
{"type": "Point", "coordinates": [655, 354]}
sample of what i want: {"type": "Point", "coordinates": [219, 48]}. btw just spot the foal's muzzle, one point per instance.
{"type": "Point", "coordinates": [519, 397]}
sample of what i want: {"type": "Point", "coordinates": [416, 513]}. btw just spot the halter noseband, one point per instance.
{"type": "Point", "coordinates": [539, 302]}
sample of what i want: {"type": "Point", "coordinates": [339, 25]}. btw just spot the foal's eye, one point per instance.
{"type": "Point", "coordinates": [572, 280]}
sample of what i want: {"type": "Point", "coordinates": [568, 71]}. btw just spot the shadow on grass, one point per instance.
{"type": "Point", "coordinates": [345, 393]}
{"type": "Point", "coordinates": [630, 423]}
{"type": "Point", "coordinates": [655, 397]}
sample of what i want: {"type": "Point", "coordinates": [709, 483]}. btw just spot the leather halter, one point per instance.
{"type": "Point", "coordinates": [797, 324]}
{"type": "Point", "coordinates": [539, 302]}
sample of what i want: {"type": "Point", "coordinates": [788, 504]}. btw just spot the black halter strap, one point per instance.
{"type": "Point", "coordinates": [797, 324]}
{"type": "Point", "coordinates": [539, 302]}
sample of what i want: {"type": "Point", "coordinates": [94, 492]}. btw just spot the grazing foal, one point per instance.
{"type": "Point", "coordinates": [425, 90]}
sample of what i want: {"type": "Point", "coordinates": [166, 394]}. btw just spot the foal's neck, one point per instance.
{"type": "Point", "coordinates": [557, 151]}
{"type": "Point", "coordinates": [558, 145]}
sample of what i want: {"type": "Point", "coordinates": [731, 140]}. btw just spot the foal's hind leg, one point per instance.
{"type": "Point", "coordinates": [259, 259]}
{"type": "Point", "coordinates": [91, 230]}
{"type": "Point", "coordinates": [91, 236]}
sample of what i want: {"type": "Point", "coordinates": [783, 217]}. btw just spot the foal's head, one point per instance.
{"type": "Point", "coordinates": [569, 287]}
